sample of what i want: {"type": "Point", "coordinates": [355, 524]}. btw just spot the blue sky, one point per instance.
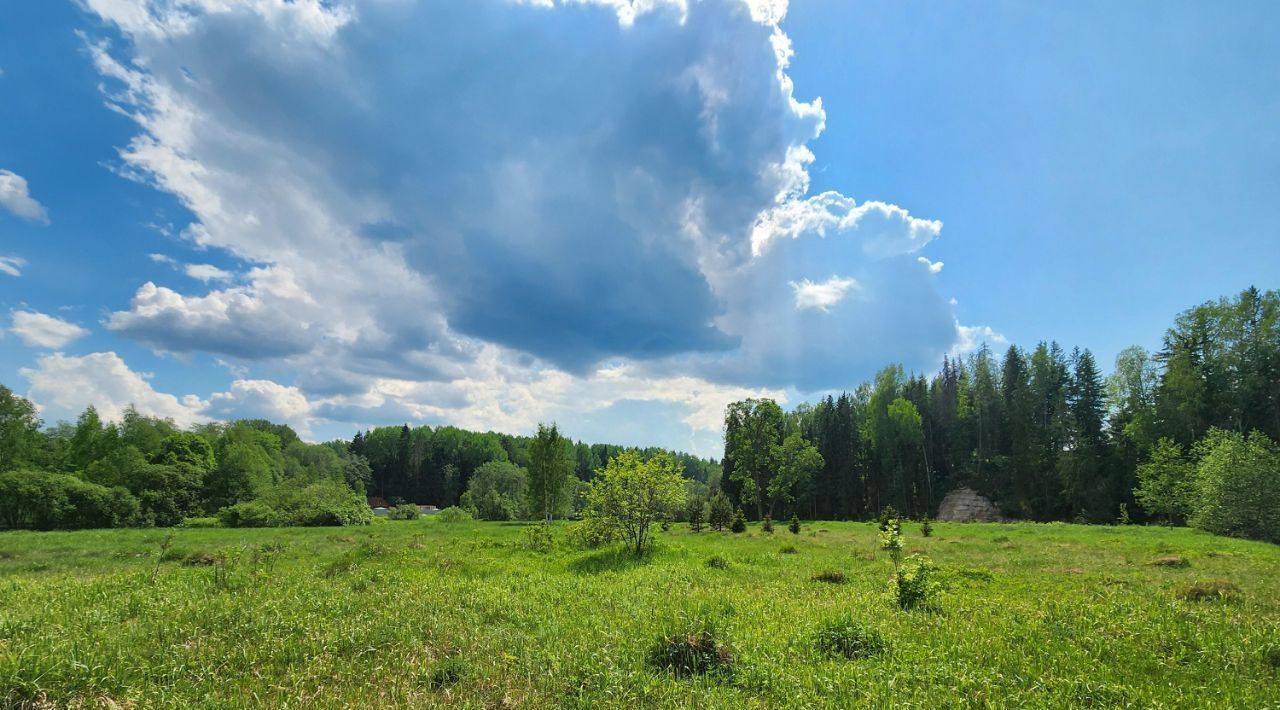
{"type": "Point", "coordinates": [346, 214]}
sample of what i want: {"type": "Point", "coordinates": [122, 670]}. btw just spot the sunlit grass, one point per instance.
{"type": "Point", "coordinates": [423, 613]}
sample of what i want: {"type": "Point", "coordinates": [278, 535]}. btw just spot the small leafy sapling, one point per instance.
{"type": "Point", "coordinates": [891, 541]}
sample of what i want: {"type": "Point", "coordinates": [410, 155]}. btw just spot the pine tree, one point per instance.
{"type": "Point", "coordinates": [767, 524]}
{"type": "Point", "coordinates": [794, 527]}
{"type": "Point", "coordinates": [739, 524]}
{"type": "Point", "coordinates": [720, 515]}
{"type": "Point", "coordinates": [697, 513]}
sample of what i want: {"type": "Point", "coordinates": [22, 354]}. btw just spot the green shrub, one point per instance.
{"type": "Point", "coordinates": [404, 511]}
{"type": "Point", "coordinates": [453, 514]}
{"type": "Point", "coordinates": [767, 525]}
{"type": "Point", "coordinates": [788, 550]}
{"type": "Point", "coordinates": [845, 638]}
{"type": "Point", "coordinates": [739, 524]}
{"type": "Point", "coordinates": [537, 538]}
{"type": "Point", "coordinates": [39, 500]}
{"type": "Point", "coordinates": [794, 527]}
{"type": "Point", "coordinates": [717, 562]}
{"type": "Point", "coordinates": [297, 504]}
{"type": "Point", "coordinates": [209, 522]}
{"type": "Point", "coordinates": [926, 527]}
{"type": "Point", "coordinates": [249, 514]}
{"type": "Point", "coordinates": [590, 534]}
{"type": "Point", "coordinates": [913, 585]}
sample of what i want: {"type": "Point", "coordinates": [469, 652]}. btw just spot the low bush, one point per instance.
{"type": "Point", "coordinates": [209, 522]}
{"type": "Point", "coordinates": [845, 638]}
{"type": "Point", "coordinates": [788, 550]}
{"type": "Point", "coordinates": [249, 514]}
{"type": "Point", "coordinates": [913, 584]}
{"type": "Point", "coordinates": [590, 534]}
{"type": "Point", "coordinates": [39, 500]}
{"type": "Point", "coordinates": [453, 514]}
{"type": "Point", "coordinates": [537, 538]}
{"type": "Point", "coordinates": [830, 576]}
{"type": "Point", "coordinates": [404, 511]}
{"type": "Point", "coordinates": [298, 504]}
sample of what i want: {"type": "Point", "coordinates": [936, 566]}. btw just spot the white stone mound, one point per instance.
{"type": "Point", "coordinates": [965, 505]}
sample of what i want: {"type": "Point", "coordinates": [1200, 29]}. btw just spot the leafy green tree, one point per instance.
{"type": "Point", "coordinates": [1237, 485]}
{"type": "Point", "coordinates": [1166, 483]}
{"type": "Point", "coordinates": [186, 448]}
{"type": "Point", "coordinates": [498, 490]}
{"type": "Point", "coordinates": [551, 463]}
{"type": "Point", "coordinates": [89, 442]}
{"type": "Point", "coordinates": [753, 428]}
{"type": "Point", "coordinates": [720, 512]}
{"type": "Point", "coordinates": [632, 493]}
{"type": "Point", "coordinates": [20, 441]}
{"type": "Point", "coordinates": [797, 462]}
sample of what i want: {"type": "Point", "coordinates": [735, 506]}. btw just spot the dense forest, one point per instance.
{"type": "Point", "coordinates": [1040, 431]}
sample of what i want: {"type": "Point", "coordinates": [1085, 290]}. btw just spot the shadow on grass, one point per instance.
{"type": "Point", "coordinates": [610, 559]}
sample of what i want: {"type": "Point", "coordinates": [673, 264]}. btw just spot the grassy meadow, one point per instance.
{"type": "Point", "coordinates": [424, 613]}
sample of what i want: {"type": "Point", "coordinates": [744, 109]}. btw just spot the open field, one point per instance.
{"type": "Point", "coordinates": [424, 613]}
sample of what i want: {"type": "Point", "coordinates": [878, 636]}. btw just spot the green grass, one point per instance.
{"type": "Point", "coordinates": [420, 613]}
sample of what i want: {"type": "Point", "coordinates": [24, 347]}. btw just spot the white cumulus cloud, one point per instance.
{"type": "Point", "coordinates": [15, 197]}
{"type": "Point", "coordinates": [63, 386]}
{"type": "Point", "coordinates": [40, 330]}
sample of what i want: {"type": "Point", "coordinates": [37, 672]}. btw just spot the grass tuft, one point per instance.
{"type": "Point", "coordinates": [1214, 590]}
{"type": "Point", "coordinates": [830, 576]}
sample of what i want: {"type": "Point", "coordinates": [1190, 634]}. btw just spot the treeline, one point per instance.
{"type": "Point", "coordinates": [144, 471]}
{"type": "Point", "coordinates": [1041, 431]}
{"type": "Point", "coordinates": [435, 464]}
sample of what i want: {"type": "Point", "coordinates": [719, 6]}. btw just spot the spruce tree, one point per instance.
{"type": "Point", "coordinates": [794, 527]}
{"type": "Point", "coordinates": [721, 513]}
{"type": "Point", "coordinates": [739, 524]}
